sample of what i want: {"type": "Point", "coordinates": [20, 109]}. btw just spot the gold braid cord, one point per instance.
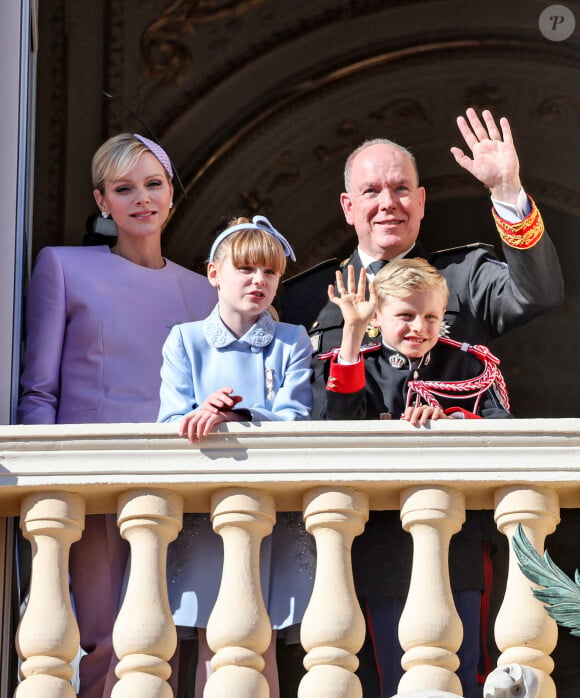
{"type": "Point", "coordinates": [524, 234]}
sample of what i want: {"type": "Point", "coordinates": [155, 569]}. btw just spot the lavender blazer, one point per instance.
{"type": "Point", "coordinates": [95, 326]}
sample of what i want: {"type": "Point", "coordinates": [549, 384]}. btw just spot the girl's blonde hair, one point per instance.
{"type": "Point", "coordinates": [405, 277]}
{"type": "Point", "coordinates": [252, 247]}
{"type": "Point", "coordinates": [116, 157]}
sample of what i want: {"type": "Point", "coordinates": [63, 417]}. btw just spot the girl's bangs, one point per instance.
{"type": "Point", "coordinates": [257, 248]}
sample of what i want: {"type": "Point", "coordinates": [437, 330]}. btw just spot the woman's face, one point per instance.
{"type": "Point", "coordinates": [139, 201]}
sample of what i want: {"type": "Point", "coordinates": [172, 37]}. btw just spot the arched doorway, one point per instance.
{"type": "Point", "coordinates": [260, 101]}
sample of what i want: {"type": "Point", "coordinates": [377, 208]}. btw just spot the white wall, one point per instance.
{"type": "Point", "coordinates": [16, 90]}
{"type": "Point", "coordinates": [16, 78]}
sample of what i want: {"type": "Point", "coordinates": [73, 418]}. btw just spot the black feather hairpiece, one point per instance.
{"type": "Point", "coordinates": [150, 132]}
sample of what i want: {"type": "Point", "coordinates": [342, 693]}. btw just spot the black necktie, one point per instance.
{"type": "Point", "coordinates": [375, 267]}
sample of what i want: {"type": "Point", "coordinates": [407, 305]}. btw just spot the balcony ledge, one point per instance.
{"type": "Point", "coordinates": [289, 458]}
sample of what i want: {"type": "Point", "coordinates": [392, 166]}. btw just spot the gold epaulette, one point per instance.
{"type": "Point", "coordinates": [524, 234]}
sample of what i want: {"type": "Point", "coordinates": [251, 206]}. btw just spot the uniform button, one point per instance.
{"type": "Point", "coordinates": [415, 375]}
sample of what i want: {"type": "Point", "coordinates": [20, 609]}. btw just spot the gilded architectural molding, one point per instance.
{"type": "Point", "coordinates": [164, 44]}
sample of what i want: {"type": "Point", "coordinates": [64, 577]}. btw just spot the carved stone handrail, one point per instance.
{"type": "Point", "coordinates": [334, 472]}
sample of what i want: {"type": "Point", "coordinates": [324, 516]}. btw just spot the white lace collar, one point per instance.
{"type": "Point", "coordinates": [260, 334]}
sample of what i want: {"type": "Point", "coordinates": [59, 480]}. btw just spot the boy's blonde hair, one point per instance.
{"type": "Point", "coordinates": [251, 247]}
{"type": "Point", "coordinates": [404, 277]}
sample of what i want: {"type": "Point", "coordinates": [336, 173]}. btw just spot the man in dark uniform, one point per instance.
{"type": "Point", "coordinates": [385, 203]}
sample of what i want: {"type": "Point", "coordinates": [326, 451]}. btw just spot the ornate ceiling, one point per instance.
{"type": "Point", "coordinates": [259, 101]}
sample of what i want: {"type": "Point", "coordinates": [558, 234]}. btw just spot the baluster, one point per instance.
{"type": "Point", "coordinates": [333, 627]}
{"type": "Point", "coordinates": [48, 635]}
{"type": "Point", "coordinates": [239, 630]}
{"type": "Point", "coordinates": [523, 630]}
{"type": "Point", "coordinates": [430, 629]}
{"type": "Point", "coordinates": [144, 636]}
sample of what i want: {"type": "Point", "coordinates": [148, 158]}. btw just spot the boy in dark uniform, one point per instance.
{"type": "Point", "coordinates": [406, 304]}
{"type": "Point", "coordinates": [396, 379]}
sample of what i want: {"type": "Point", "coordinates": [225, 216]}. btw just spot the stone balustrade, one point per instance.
{"type": "Point", "coordinates": [335, 473]}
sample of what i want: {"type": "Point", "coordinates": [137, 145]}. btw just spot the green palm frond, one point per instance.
{"type": "Point", "coordinates": [560, 595]}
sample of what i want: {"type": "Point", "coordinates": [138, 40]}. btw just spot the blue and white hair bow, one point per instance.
{"type": "Point", "coordinates": [258, 223]}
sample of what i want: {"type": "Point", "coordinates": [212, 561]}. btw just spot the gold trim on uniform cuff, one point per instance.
{"type": "Point", "coordinates": [524, 234]}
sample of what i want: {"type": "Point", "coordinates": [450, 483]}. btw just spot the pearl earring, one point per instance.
{"type": "Point", "coordinates": [171, 205]}
{"type": "Point", "coordinates": [104, 214]}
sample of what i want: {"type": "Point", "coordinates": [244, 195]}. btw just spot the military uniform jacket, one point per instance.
{"type": "Point", "coordinates": [386, 386]}
{"type": "Point", "coordinates": [487, 297]}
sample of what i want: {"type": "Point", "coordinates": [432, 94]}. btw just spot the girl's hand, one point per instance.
{"type": "Point", "coordinates": [355, 308]}
{"type": "Point", "coordinates": [419, 416]}
{"type": "Point", "coordinates": [198, 424]}
{"type": "Point", "coordinates": [221, 400]}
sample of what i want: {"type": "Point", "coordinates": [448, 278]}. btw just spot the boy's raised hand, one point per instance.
{"type": "Point", "coordinates": [354, 306]}
{"type": "Point", "coordinates": [356, 311]}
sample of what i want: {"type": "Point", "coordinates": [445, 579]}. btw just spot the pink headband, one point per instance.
{"type": "Point", "coordinates": [158, 151]}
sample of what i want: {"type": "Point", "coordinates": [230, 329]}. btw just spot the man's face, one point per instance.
{"type": "Point", "coordinates": [385, 203]}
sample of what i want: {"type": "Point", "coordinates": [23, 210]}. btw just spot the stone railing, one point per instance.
{"type": "Point", "coordinates": [334, 472]}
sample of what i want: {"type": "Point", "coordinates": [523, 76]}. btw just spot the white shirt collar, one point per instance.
{"type": "Point", "coordinates": [366, 259]}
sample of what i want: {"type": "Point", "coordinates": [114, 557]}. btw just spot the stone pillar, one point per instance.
{"type": "Point", "coordinates": [47, 639]}
{"type": "Point", "coordinates": [333, 627]}
{"type": "Point", "coordinates": [430, 629]}
{"type": "Point", "coordinates": [144, 635]}
{"type": "Point", "coordinates": [523, 630]}
{"type": "Point", "coordinates": [239, 630]}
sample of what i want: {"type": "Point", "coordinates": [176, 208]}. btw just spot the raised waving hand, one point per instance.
{"type": "Point", "coordinates": [356, 310]}
{"type": "Point", "coordinates": [494, 160]}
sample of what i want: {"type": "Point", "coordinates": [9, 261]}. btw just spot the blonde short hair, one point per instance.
{"type": "Point", "coordinates": [252, 247]}
{"type": "Point", "coordinates": [115, 158]}
{"type": "Point", "coordinates": [404, 277]}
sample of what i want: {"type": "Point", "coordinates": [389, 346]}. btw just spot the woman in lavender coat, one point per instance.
{"type": "Point", "coordinates": [96, 320]}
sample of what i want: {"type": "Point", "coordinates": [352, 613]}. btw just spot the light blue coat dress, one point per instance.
{"type": "Point", "coordinates": [270, 367]}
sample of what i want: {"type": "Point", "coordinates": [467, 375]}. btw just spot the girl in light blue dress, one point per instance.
{"type": "Point", "coordinates": [239, 364]}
